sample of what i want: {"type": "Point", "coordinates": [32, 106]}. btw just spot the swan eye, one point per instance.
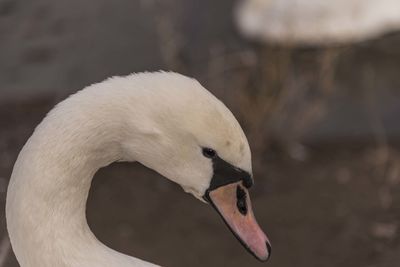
{"type": "Point", "coordinates": [209, 153]}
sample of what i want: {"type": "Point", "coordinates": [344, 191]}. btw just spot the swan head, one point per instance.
{"type": "Point", "coordinates": [192, 138]}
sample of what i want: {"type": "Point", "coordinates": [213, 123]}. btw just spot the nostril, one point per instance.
{"type": "Point", "coordinates": [241, 200]}
{"type": "Point", "coordinates": [242, 206]}
{"type": "Point", "coordinates": [269, 248]}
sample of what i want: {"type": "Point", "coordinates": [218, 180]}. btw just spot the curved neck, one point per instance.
{"type": "Point", "coordinates": [46, 201]}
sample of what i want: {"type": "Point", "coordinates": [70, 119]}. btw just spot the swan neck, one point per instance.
{"type": "Point", "coordinates": [49, 187]}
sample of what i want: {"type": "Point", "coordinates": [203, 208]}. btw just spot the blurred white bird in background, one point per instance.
{"type": "Point", "coordinates": [316, 22]}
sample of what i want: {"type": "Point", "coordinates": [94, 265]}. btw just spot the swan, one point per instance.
{"type": "Point", "coordinates": [164, 120]}
{"type": "Point", "coordinates": [316, 22]}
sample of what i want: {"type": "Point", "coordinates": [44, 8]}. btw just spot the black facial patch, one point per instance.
{"type": "Point", "coordinates": [225, 173]}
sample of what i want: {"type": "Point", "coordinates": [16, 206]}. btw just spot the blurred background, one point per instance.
{"type": "Point", "coordinates": [315, 85]}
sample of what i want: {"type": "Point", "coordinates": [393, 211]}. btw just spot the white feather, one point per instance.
{"type": "Point", "coordinates": [159, 119]}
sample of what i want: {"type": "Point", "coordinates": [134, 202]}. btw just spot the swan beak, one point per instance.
{"type": "Point", "coordinates": [232, 202]}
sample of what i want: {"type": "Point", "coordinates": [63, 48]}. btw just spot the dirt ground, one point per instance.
{"type": "Point", "coordinates": [337, 207]}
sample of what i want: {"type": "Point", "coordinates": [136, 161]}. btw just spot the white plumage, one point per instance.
{"type": "Point", "coordinates": [315, 22]}
{"type": "Point", "coordinates": [159, 119]}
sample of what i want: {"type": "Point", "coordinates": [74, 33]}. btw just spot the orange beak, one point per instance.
{"type": "Point", "coordinates": [232, 202]}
